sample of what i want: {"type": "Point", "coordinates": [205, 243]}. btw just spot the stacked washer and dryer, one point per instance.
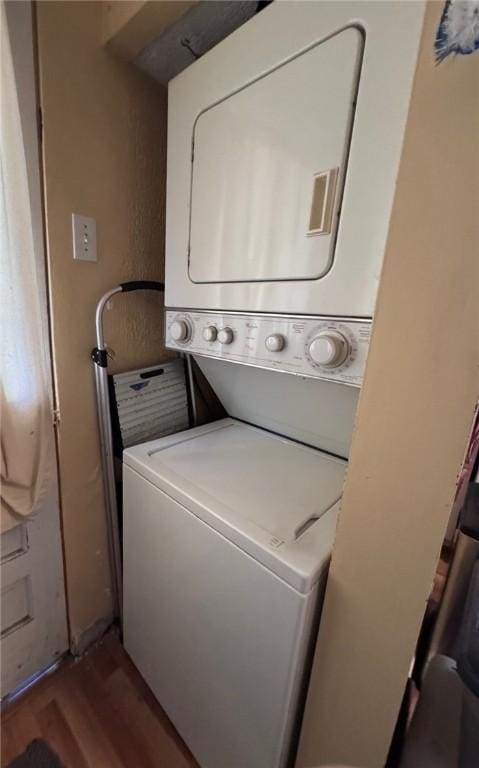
{"type": "Point", "coordinates": [283, 149]}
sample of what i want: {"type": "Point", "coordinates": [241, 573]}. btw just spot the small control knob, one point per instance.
{"type": "Point", "coordinates": [329, 348]}
{"type": "Point", "coordinates": [210, 333]}
{"type": "Point", "coordinates": [275, 342]}
{"type": "Point", "coordinates": [225, 336]}
{"type": "Point", "coordinates": [179, 330]}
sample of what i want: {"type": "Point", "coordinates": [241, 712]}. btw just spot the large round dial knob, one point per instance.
{"type": "Point", "coordinates": [225, 336]}
{"type": "Point", "coordinates": [210, 333]}
{"type": "Point", "coordinates": [179, 330]}
{"type": "Point", "coordinates": [275, 342]}
{"type": "Point", "coordinates": [329, 348]}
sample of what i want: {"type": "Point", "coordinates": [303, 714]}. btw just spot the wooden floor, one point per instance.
{"type": "Point", "coordinates": [95, 712]}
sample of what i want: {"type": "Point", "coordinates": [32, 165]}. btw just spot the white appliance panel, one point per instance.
{"type": "Point", "coordinates": [320, 347]}
{"type": "Point", "coordinates": [318, 413]}
{"type": "Point", "coordinates": [256, 156]}
{"type": "Point", "coordinates": [220, 640]}
{"type": "Point", "coordinates": [282, 31]}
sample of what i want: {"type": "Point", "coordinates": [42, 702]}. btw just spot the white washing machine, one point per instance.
{"type": "Point", "coordinates": [284, 144]}
{"type": "Point", "coordinates": [228, 531]}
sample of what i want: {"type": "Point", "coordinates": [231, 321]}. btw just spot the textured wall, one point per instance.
{"type": "Point", "coordinates": [104, 145]}
{"type": "Point", "coordinates": [414, 418]}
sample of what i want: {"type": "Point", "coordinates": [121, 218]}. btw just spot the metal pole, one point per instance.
{"type": "Point", "coordinates": [107, 456]}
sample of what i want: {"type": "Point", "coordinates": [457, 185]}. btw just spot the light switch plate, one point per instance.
{"type": "Point", "coordinates": [84, 237]}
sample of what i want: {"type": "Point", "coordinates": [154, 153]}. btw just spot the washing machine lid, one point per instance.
{"type": "Point", "coordinates": [275, 498]}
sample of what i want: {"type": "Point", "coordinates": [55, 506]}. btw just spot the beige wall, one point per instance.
{"type": "Point", "coordinates": [414, 418]}
{"type": "Point", "coordinates": [104, 145]}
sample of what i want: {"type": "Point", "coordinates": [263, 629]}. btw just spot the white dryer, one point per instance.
{"type": "Point", "coordinates": [228, 532]}
{"type": "Point", "coordinates": [284, 144]}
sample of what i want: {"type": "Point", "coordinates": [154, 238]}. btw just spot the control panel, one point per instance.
{"type": "Point", "coordinates": [334, 349]}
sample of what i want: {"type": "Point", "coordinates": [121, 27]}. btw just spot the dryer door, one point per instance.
{"type": "Point", "coordinates": [268, 167]}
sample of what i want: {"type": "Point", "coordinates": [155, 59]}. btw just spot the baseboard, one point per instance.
{"type": "Point", "coordinates": [80, 643]}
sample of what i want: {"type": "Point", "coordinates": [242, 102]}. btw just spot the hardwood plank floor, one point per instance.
{"type": "Point", "coordinates": [95, 712]}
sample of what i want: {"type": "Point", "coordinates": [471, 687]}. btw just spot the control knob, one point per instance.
{"type": "Point", "coordinates": [225, 336]}
{"type": "Point", "coordinates": [179, 330]}
{"type": "Point", "coordinates": [275, 342]}
{"type": "Point", "coordinates": [329, 348]}
{"type": "Point", "coordinates": [210, 333]}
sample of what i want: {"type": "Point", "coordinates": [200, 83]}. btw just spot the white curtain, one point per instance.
{"type": "Point", "coordinates": [27, 450]}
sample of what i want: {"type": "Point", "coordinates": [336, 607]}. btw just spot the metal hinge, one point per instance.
{"type": "Point", "coordinates": [56, 417]}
